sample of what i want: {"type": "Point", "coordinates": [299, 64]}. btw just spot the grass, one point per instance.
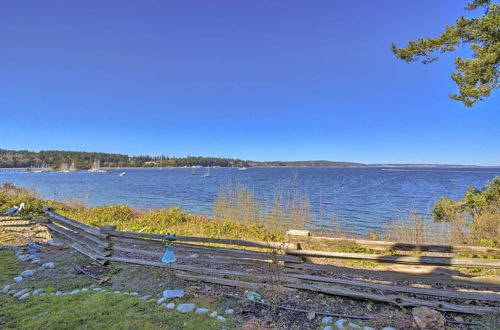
{"type": "Point", "coordinates": [95, 310]}
{"type": "Point", "coordinates": [89, 310]}
{"type": "Point", "coordinates": [10, 266]}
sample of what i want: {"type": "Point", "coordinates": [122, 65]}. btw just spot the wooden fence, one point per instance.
{"type": "Point", "coordinates": [285, 266]}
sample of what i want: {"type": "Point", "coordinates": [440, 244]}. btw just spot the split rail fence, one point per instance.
{"type": "Point", "coordinates": [285, 266]}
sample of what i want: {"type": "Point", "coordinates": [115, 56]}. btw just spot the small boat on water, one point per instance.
{"type": "Point", "coordinates": [122, 174]}
{"type": "Point", "coordinates": [242, 168]}
{"type": "Point", "coordinates": [206, 175]}
{"type": "Point", "coordinates": [96, 168]}
{"type": "Point", "coordinates": [193, 173]}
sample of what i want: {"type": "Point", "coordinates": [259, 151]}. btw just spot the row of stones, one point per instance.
{"type": "Point", "coordinates": [343, 324]}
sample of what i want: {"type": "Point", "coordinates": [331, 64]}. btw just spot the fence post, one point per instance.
{"type": "Point", "coordinates": [105, 229]}
{"type": "Point", "coordinates": [296, 236]}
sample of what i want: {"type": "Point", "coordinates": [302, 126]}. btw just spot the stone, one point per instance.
{"type": "Point", "coordinates": [6, 288]}
{"type": "Point", "coordinates": [48, 265]}
{"type": "Point", "coordinates": [17, 279]}
{"type": "Point", "coordinates": [97, 289]}
{"type": "Point", "coordinates": [201, 310]}
{"type": "Point", "coordinates": [24, 296]}
{"type": "Point", "coordinates": [328, 327]}
{"type": "Point", "coordinates": [134, 293]}
{"type": "Point", "coordinates": [173, 293]}
{"type": "Point", "coordinates": [11, 292]}
{"type": "Point", "coordinates": [75, 291]}
{"type": "Point", "coordinates": [117, 292]}
{"type": "Point", "coordinates": [213, 314]}
{"type": "Point", "coordinates": [146, 297]}
{"type": "Point", "coordinates": [52, 294]}
{"type": "Point", "coordinates": [24, 257]}
{"type": "Point", "coordinates": [369, 328]}
{"type": "Point", "coordinates": [36, 260]}
{"type": "Point", "coordinates": [21, 292]}
{"type": "Point", "coordinates": [58, 293]}
{"type": "Point", "coordinates": [170, 306]}
{"type": "Point", "coordinates": [311, 315]}
{"type": "Point", "coordinates": [326, 320]}
{"type": "Point", "coordinates": [28, 273]}
{"type": "Point", "coordinates": [84, 289]}
{"type": "Point", "coordinates": [340, 323]}
{"type": "Point", "coordinates": [220, 318]}
{"type": "Point", "coordinates": [37, 291]}
{"type": "Point", "coordinates": [389, 328]}
{"type": "Point", "coordinates": [427, 318]}
{"type": "Point", "coordinates": [353, 326]}
{"type": "Point", "coordinates": [185, 308]}
{"type": "Point", "coordinates": [229, 311]}
{"type": "Point", "coordinates": [161, 300]}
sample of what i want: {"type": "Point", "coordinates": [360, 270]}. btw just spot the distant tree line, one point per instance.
{"type": "Point", "coordinates": [84, 160]}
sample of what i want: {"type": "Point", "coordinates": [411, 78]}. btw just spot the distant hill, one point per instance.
{"type": "Point", "coordinates": [305, 163]}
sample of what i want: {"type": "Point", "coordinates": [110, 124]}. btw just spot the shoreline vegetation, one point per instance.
{"type": "Point", "coordinates": [239, 214]}
{"type": "Point", "coordinates": [56, 159]}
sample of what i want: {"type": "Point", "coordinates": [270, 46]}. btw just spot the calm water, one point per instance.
{"type": "Point", "coordinates": [361, 199]}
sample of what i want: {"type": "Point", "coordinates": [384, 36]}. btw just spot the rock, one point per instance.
{"type": "Point", "coordinates": [185, 308]}
{"type": "Point", "coordinates": [21, 292]}
{"type": "Point", "coordinates": [28, 273]}
{"type": "Point", "coordinates": [201, 310]}
{"type": "Point", "coordinates": [427, 318]}
{"type": "Point", "coordinates": [173, 293]}
{"type": "Point", "coordinates": [161, 300]}
{"type": "Point", "coordinates": [52, 294]}
{"type": "Point", "coordinates": [220, 318]}
{"type": "Point", "coordinates": [147, 297]}
{"type": "Point", "coordinates": [353, 326]}
{"type": "Point", "coordinates": [11, 292]}
{"type": "Point", "coordinates": [117, 292]}
{"type": "Point", "coordinates": [170, 306]}
{"type": "Point", "coordinates": [24, 257]}
{"type": "Point", "coordinates": [24, 296]}
{"type": "Point", "coordinates": [37, 291]}
{"type": "Point", "coordinates": [17, 279]}
{"type": "Point", "coordinates": [311, 315]}
{"type": "Point", "coordinates": [96, 289]}
{"type": "Point", "coordinates": [326, 320]}
{"type": "Point", "coordinates": [328, 327]}
{"type": "Point", "coordinates": [134, 293]}
{"type": "Point", "coordinates": [213, 314]}
{"type": "Point", "coordinates": [58, 293]}
{"type": "Point", "coordinates": [47, 265]}
{"type": "Point", "coordinates": [6, 288]}
{"type": "Point", "coordinates": [84, 289]}
{"type": "Point", "coordinates": [389, 328]}
{"type": "Point", "coordinates": [229, 311]}
{"type": "Point", "coordinates": [340, 323]}
{"type": "Point", "coordinates": [36, 260]}
{"type": "Point", "coordinates": [369, 328]}
{"type": "Point", "coordinates": [75, 291]}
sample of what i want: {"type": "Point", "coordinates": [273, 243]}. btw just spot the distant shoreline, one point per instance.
{"type": "Point", "coordinates": [297, 166]}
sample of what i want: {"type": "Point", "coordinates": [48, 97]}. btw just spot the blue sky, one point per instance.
{"type": "Point", "coordinates": [252, 79]}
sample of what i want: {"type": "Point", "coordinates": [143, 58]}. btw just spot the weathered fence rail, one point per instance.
{"type": "Point", "coordinates": [287, 265]}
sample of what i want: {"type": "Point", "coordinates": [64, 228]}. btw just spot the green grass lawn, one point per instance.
{"type": "Point", "coordinates": [89, 310]}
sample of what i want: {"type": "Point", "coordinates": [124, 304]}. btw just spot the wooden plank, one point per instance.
{"type": "Point", "coordinates": [98, 258]}
{"type": "Point", "coordinates": [64, 220]}
{"type": "Point", "coordinates": [195, 269]}
{"type": "Point", "coordinates": [235, 283]}
{"type": "Point", "coordinates": [87, 235]}
{"type": "Point", "coordinates": [209, 250]}
{"type": "Point", "coordinates": [72, 236]}
{"type": "Point", "coordinates": [394, 246]}
{"type": "Point", "coordinates": [398, 300]}
{"type": "Point", "coordinates": [409, 260]}
{"type": "Point", "coordinates": [265, 245]}
{"type": "Point", "coordinates": [201, 258]}
{"type": "Point", "coordinates": [477, 281]}
{"type": "Point", "coordinates": [408, 289]}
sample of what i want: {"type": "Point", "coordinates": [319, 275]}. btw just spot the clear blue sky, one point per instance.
{"type": "Point", "coordinates": [252, 79]}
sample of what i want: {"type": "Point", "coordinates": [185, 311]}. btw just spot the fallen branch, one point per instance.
{"type": "Point", "coordinates": [97, 278]}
